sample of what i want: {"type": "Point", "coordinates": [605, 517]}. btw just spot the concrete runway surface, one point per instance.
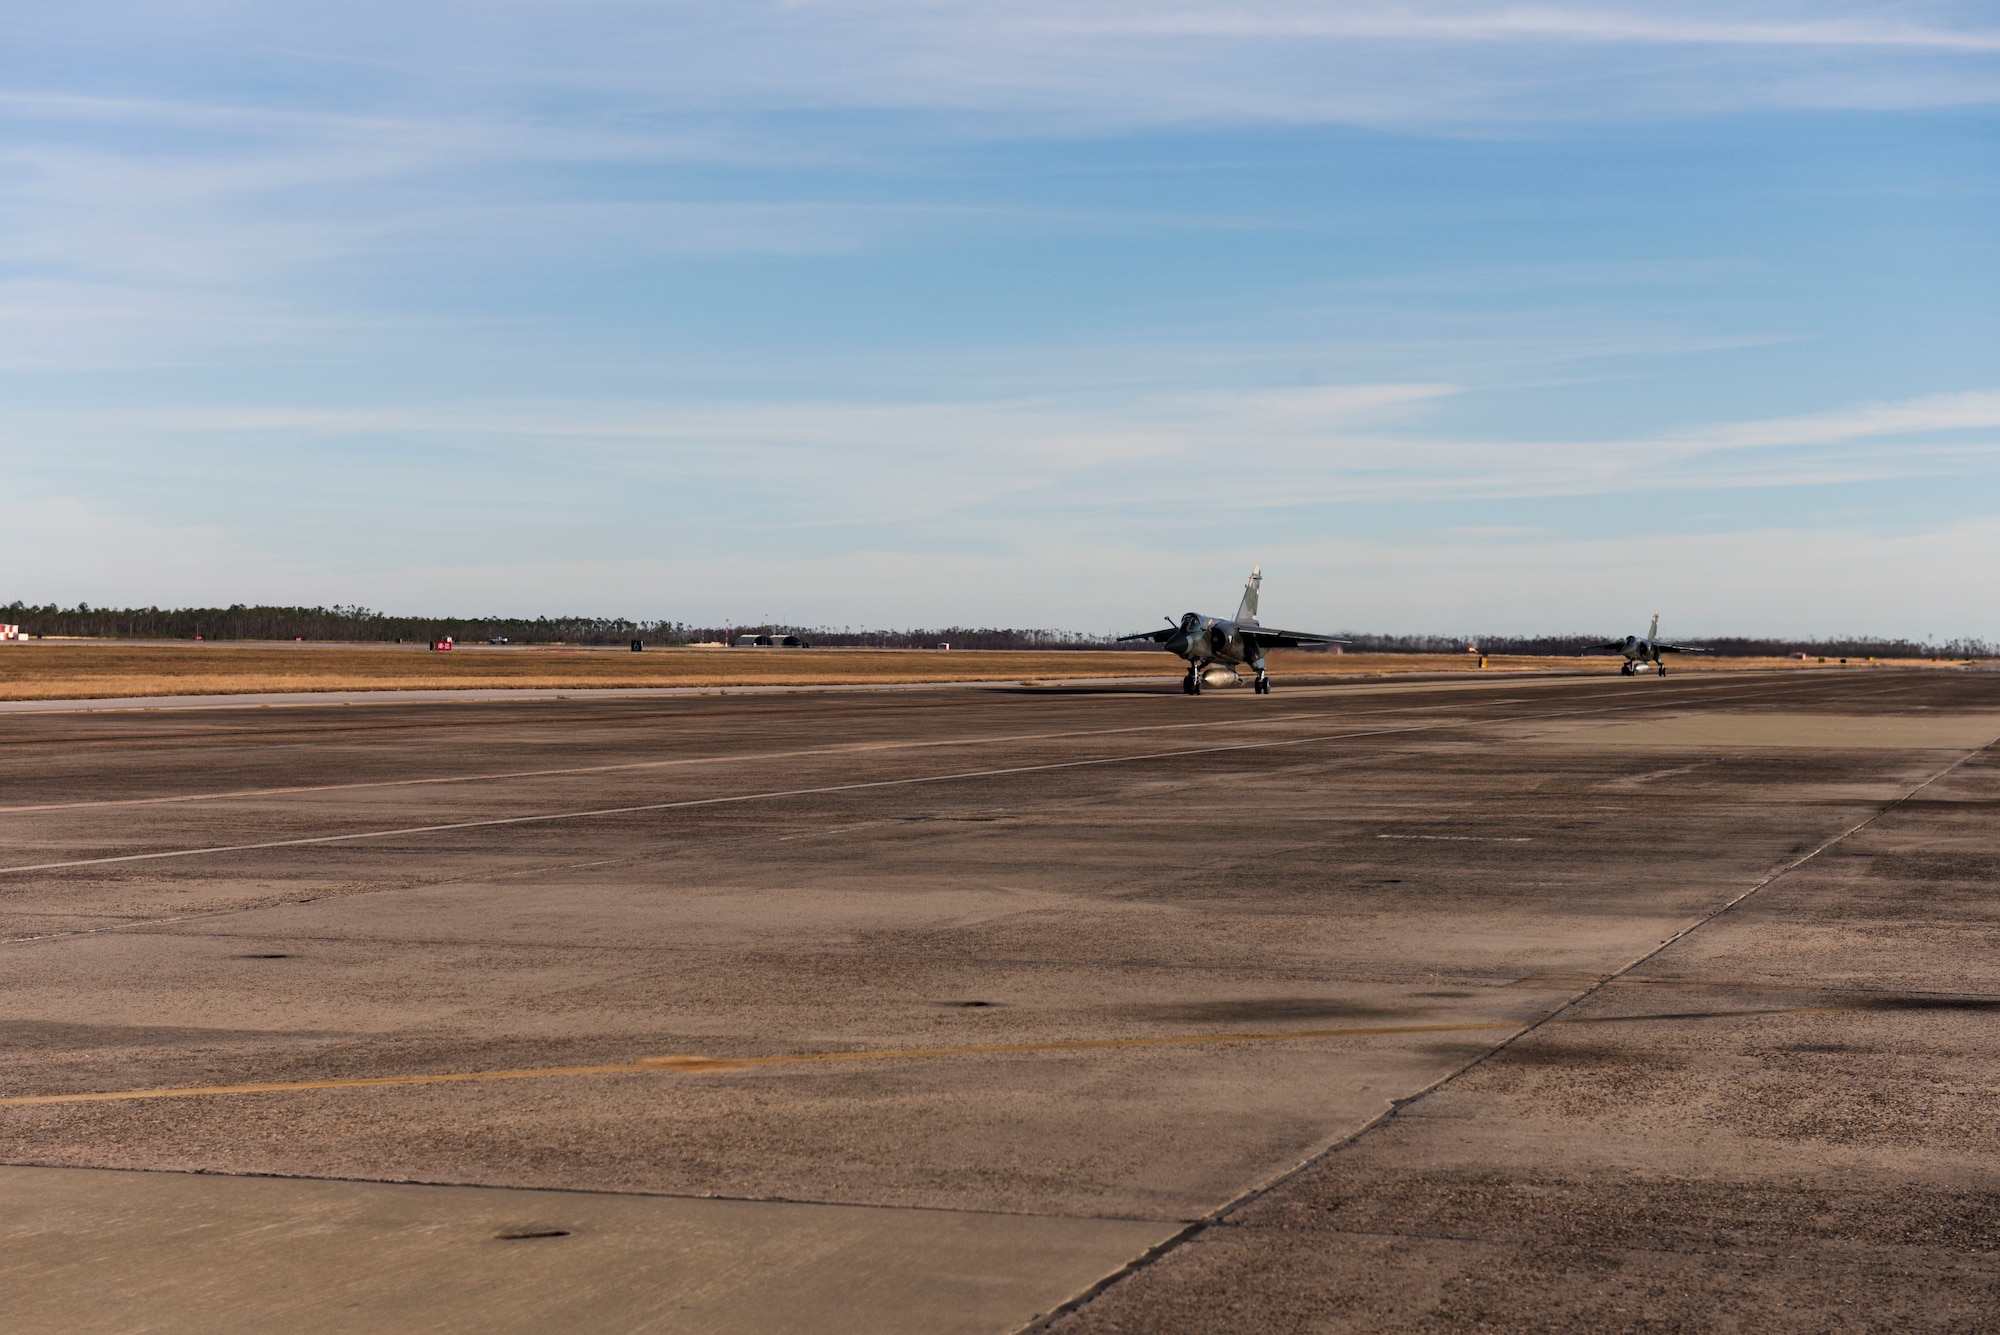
{"type": "Point", "coordinates": [1511, 1004]}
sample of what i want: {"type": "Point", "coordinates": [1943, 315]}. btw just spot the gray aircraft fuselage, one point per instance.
{"type": "Point", "coordinates": [1637, 650]}
{"type": "Point", "coordinates": [1204, 640]}
{"type": "Point", "coordinates": [1647, 648]}
{"type": "Point", "coordinates": [1215, 647]}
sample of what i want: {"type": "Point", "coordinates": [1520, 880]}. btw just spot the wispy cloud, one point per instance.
{"type": "Point", "coordinates": [1932, 413]}
{"type": "Point", "coordinates": [1106, 60]}
{"type": "Point", "coordinates": [1685, 26]}
{"type": "Point", "coordinates": [1242, 456]}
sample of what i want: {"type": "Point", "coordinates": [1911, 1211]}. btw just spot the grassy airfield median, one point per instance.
{"type": "Point", "coordinates": [101, 669]}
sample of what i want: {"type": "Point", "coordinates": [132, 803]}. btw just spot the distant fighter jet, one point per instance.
{"type": "Point", "coordinates": [1214, 647]}
{"type": "Point", "coordinates": [1648, 650]}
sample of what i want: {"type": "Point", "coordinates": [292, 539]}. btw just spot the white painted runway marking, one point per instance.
{"type": "Point", "coordinates": [445, 827]}
{"type": "Point", "coordinates": [313, 840]}
{"type": "Point", "coordinates": [852, 748]}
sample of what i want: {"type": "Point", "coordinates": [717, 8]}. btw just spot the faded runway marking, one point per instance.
{"type": "Point", "coordinates": [695, 1064]}
{"type": "Point", "coordinates": [852, 748]}
{"type": "Point", "coordinates": [495, 822]}
{"type": "Point", "coordinates": [855, 748]}
{"type": "Point", "coordinates": [686, 803]}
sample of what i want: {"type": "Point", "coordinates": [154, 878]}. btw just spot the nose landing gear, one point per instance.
{"type": "Point", "coordinates": [1191, 684]}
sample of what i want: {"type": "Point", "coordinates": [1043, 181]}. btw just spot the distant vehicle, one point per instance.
{"type": "Point", "coordinates": [1215, 647]}
{"type": "Point", "coordinates": [1639, 652]}
{"type": "Point", "coordinates": [770, 642]}
{"type": "Point", "coordinates": [496, 639]}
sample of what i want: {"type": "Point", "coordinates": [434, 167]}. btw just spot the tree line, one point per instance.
{"type": "Point", "coordinates": [242, 622]}
{"type": "Point", "coordinates": [359, 624]}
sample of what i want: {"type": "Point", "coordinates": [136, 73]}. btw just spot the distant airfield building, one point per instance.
{"type": "Point", "coordinates": [770, 642]}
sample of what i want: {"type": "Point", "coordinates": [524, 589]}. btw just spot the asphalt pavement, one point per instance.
{"type": "Point", "coordinates": [1506, 1004]}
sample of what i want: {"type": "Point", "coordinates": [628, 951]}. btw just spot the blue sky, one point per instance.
{"type": "Point", "coordinates": [1456, 317]}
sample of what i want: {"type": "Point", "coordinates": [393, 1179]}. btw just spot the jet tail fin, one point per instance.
{"type": "Point", "coordinates": [1247, 609]}
{"type": "Point", "coordinates": [1654, 633]}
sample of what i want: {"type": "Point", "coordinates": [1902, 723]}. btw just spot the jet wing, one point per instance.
{"type": "Point", "coordinates": [1160, 636]}
{"type": "Point", "coordinates": [1270, 638]}
{"type": "Point", "coordinates": [1605, 648]}
{"type": "Point", "coordinates": [1680, 649]}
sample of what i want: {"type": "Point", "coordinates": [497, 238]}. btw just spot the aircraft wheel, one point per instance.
{"type": "Point", "coordinates": [1663, 669]}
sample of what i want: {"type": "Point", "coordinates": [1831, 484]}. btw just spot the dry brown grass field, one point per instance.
{"type": "Point", "coordinates": [81, 669]}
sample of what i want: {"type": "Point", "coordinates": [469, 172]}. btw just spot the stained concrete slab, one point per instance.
{"type": "Point", "coordinates": [95, 1251]}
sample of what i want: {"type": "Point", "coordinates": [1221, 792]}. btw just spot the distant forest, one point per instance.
{"type": "Point", "coordinates": [362, 625]}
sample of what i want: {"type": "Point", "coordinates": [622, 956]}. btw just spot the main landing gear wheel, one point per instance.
{"type": "Point", "coordinates": [1263, 684]}
{"type": "Point", "coordinates": [1660, 668]}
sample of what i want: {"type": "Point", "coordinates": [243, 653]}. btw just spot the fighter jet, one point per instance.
{"type": "Point", "coordinates": [1648, 650]}
{"type": "Point", "coordinates": [1215, 648]}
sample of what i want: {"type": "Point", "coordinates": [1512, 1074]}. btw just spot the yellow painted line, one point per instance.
{"type": "Point", "coordinates": [692, 1064]}
{"type": "Point", "coordinates": [286, 1086]}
